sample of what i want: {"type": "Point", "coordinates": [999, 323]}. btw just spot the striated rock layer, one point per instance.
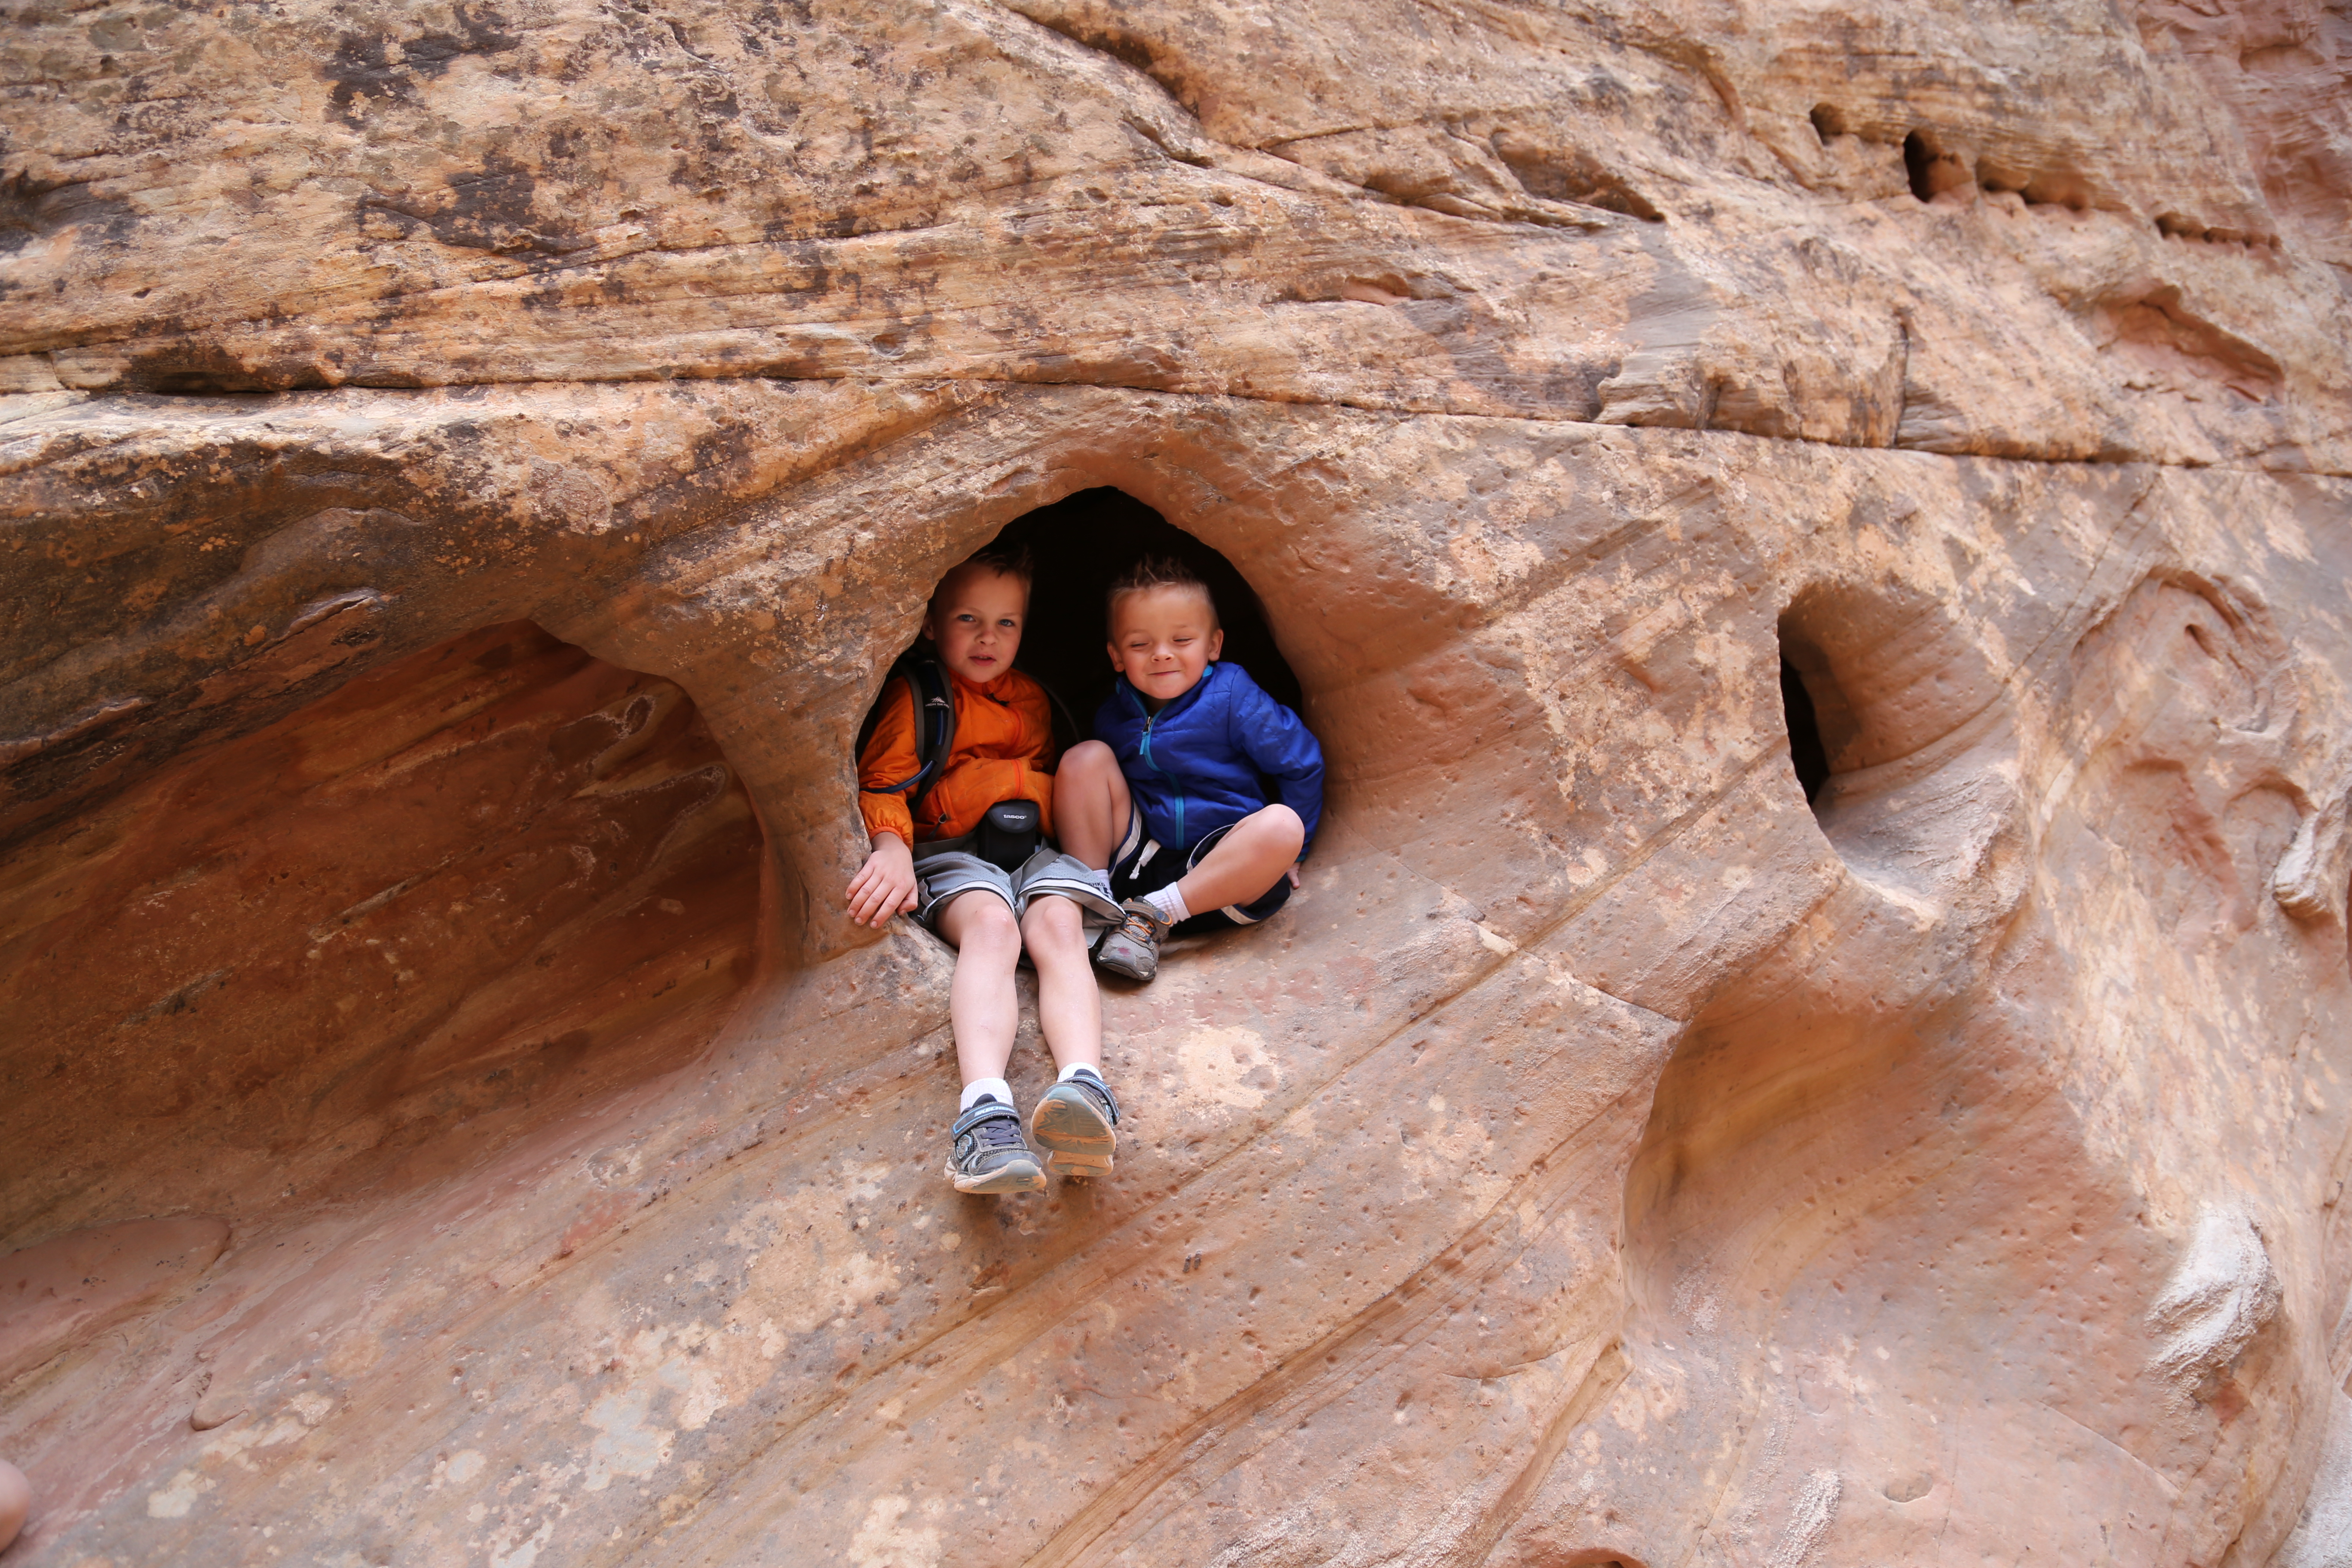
{"type": "Point", "coordinates": [468, 466]}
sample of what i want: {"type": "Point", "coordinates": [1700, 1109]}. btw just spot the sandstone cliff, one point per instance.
{"type": "Point", "coordinates": [468, 467]}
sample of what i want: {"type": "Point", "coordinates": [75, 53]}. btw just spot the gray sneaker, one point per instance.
{"type": "Point", "coordinates": [1073, 1125]}
{"type": "Point", "coordinates": [988, 1154]}
{"type": "Point", "coordinates": [1132, 947]}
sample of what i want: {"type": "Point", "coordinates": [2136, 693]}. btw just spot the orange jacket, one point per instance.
{"type": "Point", "coordinates": [1003, 751]}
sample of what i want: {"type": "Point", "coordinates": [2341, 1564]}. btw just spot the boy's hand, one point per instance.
{"type": "Point", "coordinates": [885, 885]}
{"type": "Point", "coordinates": [1293, 873]}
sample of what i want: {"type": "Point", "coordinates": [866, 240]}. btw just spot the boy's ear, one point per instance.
{"type": "Point", "coordinates": [1217, 643]}
{"type": "Point", "coordinates": [1112, 649]}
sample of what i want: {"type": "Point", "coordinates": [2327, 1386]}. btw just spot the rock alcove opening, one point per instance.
{"type": "Point", "coordinates": [1080, 544]}
{"type": "Point", "coordinates": [478, 889]}
{"type": "Point", "coordinates": [1883, 694]}
{"type": "Point", "coordinates": [1812, 706]}
{"type": "Point", "coordinates": [1806, 756]}
{"type": "Point", "coordinates": [1930, 169]}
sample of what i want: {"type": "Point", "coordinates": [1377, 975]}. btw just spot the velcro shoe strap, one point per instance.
{"type": "Point", "coordinates": [1099, 1086]}
{"type": "Point", "coordinates": [986, 1111]}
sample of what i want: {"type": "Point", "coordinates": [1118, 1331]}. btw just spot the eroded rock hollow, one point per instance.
{"type": "Point", "coordinates": [1814, 541]}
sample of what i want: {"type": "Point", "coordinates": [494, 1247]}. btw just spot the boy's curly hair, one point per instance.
{"type": "Point", "coordinates": [1157, 571]}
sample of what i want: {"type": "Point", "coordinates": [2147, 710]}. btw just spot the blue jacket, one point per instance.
{"type": "Point", "coordinates": [1213, 756]}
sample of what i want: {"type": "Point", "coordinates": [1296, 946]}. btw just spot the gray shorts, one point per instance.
{"type": "Point", "coordinates": [946, 872]}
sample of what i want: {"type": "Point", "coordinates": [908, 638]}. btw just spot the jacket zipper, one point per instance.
{"type": "Point", "coordinates": [1149, 721]}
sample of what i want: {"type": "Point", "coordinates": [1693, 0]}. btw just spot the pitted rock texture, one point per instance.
{"type": "Point", "coordinates": [467, 470]}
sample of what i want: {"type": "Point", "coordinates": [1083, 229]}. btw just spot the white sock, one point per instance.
{"type": "Point", "coordinates": [1075, 1068]}
{"type": "Point", "coordinates": [1169, 904]}
{"type": "Point", "coordinates": [981, 1086]}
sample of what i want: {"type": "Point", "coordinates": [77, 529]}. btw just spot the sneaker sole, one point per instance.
{"type": "Point", "coordinates": [1012, 1176]}
{"type": "Point", "coordinates": [1116, 964]}
{"type": "Point", "coordinates": [1076, 1140]}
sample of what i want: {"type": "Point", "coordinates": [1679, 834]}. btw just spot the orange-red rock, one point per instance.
{"type": "Point", "coordinates": [468, 469]}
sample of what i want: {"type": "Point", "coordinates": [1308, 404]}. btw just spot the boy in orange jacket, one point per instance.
{"type": "Point", "coordinates": [923, 859]}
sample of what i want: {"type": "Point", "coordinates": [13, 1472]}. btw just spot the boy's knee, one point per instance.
{"type": "Point", "coordinates": [1087, 758]}
{"type": "Point", "coordinates": [1285, 824]}
{"type": "Point", "coordinates": [1055, 920]}
{"type": "Point", "coordinates": [987, 923]}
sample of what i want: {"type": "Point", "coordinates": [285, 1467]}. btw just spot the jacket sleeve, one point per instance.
{"type": "Point", "coordinates": [889, 759]}
{"type": "Point", "coordinates": [1280, 746]}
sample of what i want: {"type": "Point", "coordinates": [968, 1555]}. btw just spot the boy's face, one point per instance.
{"type": "Point", "coordinates": [1162, 638]}
{"type": "Point", "coordinates": [976, 619]}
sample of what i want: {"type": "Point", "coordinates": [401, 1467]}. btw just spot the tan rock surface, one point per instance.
{"type": "Point", "coordinates": [467, 472]}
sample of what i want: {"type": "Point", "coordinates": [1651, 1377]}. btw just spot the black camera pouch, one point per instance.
{"type": "Point", "coordinates": [1009, 834]}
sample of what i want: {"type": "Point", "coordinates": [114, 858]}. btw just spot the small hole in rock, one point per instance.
{"type": "Point", "coordinates": [2057, 188]}
{"type": "Point", "coordinates": [1918, 159]}
{"type": "Point", "coordinates": [1931, 169]}
{"type": "Point", "coordinates": [1806, 753]}
{"type": "Point", "coordinates": [1563, 176]}
{"type": "Point", "coordinates": [1828, 120]}
{"type": "Point", "coordinates": [1997, 177]}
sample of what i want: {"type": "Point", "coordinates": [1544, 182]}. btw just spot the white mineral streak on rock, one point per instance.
{"type": "Point", "coordinates": [2323, 1536]}
{"type": "Point", "coordinates": [2309, 881]}
{"type": "Point", "coordinates": [1217, 1067]}
{"type": "Point", "coordinates": [524, 1552]}
{"type": "Point", "coordinates": [2218, 1299]}
{"type": "Point", "coordinates": [1809, 1521]}
{"type": "Point", "coordinates": [1698, 1298]}
{"type": "Point", "coordinates": [1764, 1469]}
{"type": "Point", "coordinates": [176, 1496]}
{"type": "Point", "coordinates": [883, 1540]}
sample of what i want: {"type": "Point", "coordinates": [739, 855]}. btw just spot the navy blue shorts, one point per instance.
{"type": "Point", "coordinates": [1142, 864]}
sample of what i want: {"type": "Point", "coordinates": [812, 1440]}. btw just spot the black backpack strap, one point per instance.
{"type": "Point", "coordinates": [934, 712]}
{"type": "Point", "coordinates": [1067, 733]}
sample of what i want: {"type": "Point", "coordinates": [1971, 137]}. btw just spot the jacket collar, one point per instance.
{"type": "Point", "coordinates": [1135, 703]}
{"type": "Point", "coordinates": [995, 689]}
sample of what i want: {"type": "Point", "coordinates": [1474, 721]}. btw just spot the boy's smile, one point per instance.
{"type": "Point", "coordinates": [1163, 639]}
{"type": "Point", "coordinates": [975, 621]}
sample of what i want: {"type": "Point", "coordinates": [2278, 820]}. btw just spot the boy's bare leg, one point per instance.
{"type": "Point", "coordinates": [987, 1155]}
{"type": "Point", "coordinates": [1246, 862]}
{"type": "Point", "coordinates": [981, 1003]}
{"type": "Point", "coordinates": [1076, 1120]}
{"type": "Point", "coordinates": [1090, 806]}
{"type": "Point", "coordinates": [1069, 1003]}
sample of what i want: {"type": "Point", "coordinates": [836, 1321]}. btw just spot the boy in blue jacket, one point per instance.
{"type": "Point", "coordinates": [1203, 793]}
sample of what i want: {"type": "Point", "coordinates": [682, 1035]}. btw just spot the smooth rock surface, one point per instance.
{"type": "Point", "coordinates": [468, 469]}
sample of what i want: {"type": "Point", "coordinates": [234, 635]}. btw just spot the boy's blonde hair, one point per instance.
{"type": "Point", "coordinates": [1005, 560]}
{"type": "Point", "coordinates": [1157, 571]}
